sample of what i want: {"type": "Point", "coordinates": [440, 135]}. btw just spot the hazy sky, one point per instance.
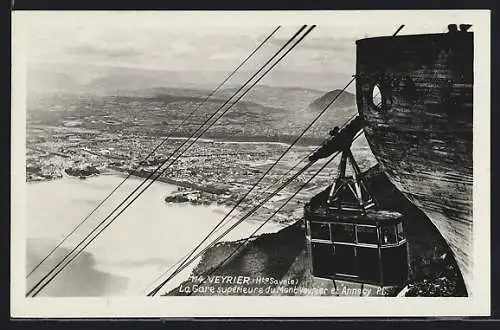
{"type": "Point", "coordinates": [162, 42]}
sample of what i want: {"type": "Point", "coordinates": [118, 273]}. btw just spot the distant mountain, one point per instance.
{"type": "Point", "coordinates": [294, 100]}
{"type": "Point", "coordinates": [98, 79]}
{"type": "Point", "coordinates": [344, 100]}
{"type": "Point", "coordinates": [340, 111]}
{"type": "Point", "coordinates": [95, 79]}
{"type": "Point", "coordinates": [148, 100]}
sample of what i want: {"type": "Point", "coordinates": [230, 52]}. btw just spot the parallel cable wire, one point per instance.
{"type": "Point", "coordinates": [234, 216]}
{"type": "Point", "coordinates": [181, 124]}
{"type": "Point", "coordinates": [284, 46]}
{"type": "Point", "coordinates": [178, 270]}
{"type": "Point", "coordinates": [291, 169]}
{"type": "Point", "coordinates": [260, 204]}
{"type": "Point", "coordinates": [244, 242]}
{"type": "Point", "coordinates": [267, 190]}
{"type": "Point", "coordinates": [212, 124]}
{"type": "Point", "coordinates": [286, 173]}
{"type": "Point", "coordinates": [36, 289]}
{"type": "Point", "coordinates": [246, 216]}
{"type": "Point", "coordinates": [275, 163]}
{"type": "Point", "coordinates": [189, 254]}
{"type": "Point", "coordinates": [255, 208]}
{"type": "Point", "coordinates": [220, 116]}
{"type": "Point", "coordinates": [333, 100]}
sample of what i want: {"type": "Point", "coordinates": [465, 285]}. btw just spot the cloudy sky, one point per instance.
{"type": "Point", "coordinates": [212, 44]}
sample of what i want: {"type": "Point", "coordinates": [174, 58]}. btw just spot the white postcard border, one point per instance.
{"type": "Point", "coordinates": [477, 305]}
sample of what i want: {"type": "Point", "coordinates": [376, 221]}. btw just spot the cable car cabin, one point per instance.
{"type": "Point", "coordinates": [348, 238]}
{"type": "Point", "coordinates": [365, 247]}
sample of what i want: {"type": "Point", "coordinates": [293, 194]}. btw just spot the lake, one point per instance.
{"type": "Point", "coordinates": [143, 242]}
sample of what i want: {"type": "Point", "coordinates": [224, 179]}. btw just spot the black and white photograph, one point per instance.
{"type": "Point", "coordinates": [330, 163]}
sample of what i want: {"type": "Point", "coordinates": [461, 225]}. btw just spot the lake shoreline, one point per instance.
{"type": "Point", "coordinates": [144, 241]}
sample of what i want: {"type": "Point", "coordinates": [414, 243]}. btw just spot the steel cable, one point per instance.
{"type": "Point", "coordinates": [296, 140]}
{"type": "Point", "coordinates": [177, 271]}
{"type": "Point", "coordinates": [40, 285]}
{"type": "Point", "coordinates": [245, 242]}
{"type": "Point", "coordinates": [182, 124]}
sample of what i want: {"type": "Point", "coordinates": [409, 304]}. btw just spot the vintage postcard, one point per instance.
{"type": "Point", "coordinates": [328, 163]}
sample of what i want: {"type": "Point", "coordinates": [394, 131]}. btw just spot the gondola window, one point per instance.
{"type": "Point", "coordinates": [343, 233]}
{"type": "Point", "coordinates": [367, 234]}
{"type": "Point", "coordinates": [400, 232]}
{"type": "Point", "coordinates": [320, 231]}
{"type": "Point", "coordinates": [388, 235]}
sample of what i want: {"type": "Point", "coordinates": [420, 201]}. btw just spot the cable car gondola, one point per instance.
{"type": "Point", "coordinates": [348, 237]}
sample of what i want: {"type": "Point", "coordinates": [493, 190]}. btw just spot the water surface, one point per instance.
{"type": "Point", "coordinates": [143, 242]}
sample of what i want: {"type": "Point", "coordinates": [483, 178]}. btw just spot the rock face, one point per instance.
{"type": "Point", "coordinates": [416, 97]}
{"type": "Point", "coordinates": [283, 257]}
{"type": "Point", "coordinates": [431, 258]}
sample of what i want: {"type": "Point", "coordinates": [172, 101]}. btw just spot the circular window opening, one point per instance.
{"type": "Point", "coordinates": [377, 97]}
